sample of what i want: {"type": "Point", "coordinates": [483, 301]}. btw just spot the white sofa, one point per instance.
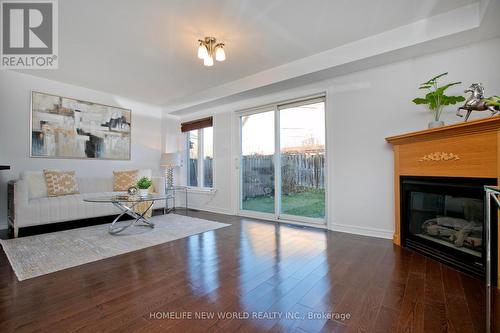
{"type": "Point", "coordinates": [31, 205]}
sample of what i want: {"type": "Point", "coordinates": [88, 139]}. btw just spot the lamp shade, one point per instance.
{"type": "Point", "coordinates": [220, 55]}
{"type": "Point", "coordinates": [202, 51]}
{"type": "Point", "coordinates": [170, 160]}
{"type": "Point", "coordinates": [208, 61]}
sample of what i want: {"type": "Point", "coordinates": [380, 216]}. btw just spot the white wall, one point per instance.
{"type": "Point", "coordinates": [362, 109]}
{"type": "Point", "coordinates": [15, 91]}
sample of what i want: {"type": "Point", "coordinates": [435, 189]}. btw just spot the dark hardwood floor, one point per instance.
{"type": "Point", "coordinates": [251, 268]}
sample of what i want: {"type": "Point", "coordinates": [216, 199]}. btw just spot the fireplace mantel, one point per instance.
{"type": "Point", "coordinates": [491, 124]}
{"type": "Point", "coordinates": [467, 149]}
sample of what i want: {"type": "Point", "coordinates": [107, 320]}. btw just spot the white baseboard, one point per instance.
{"type": "Point", "coordinates": [350, 229]}
{"type": "Point", "coordinates": [209, 209]}
{"type": "Point", "coordinates": [363, 231]}
{"type": "Point", "coordinates": [265, 217]}
{"type": "Point", "coordinates": [302, 224]}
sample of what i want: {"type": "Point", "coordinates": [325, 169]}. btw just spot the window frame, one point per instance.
{"type": "Point", "coordinates": [200, 177]}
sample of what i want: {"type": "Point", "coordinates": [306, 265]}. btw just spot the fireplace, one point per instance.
{"type": "Point", "coordinates": [443, 217]}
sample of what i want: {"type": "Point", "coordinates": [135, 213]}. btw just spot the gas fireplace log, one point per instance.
{"type": "Point", "coordinates": [437, 230]}
{"type": "Point", "coordinates": [451, 222]}
{"type": "Point", "coordinates": [460, 235]}
{"type": "Point", "coordinates": [473, 242]}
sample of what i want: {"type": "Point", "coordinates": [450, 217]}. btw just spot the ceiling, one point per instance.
{"type": "Point", "coordinates": [146, 50]}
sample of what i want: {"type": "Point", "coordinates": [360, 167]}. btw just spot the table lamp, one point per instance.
{"type": "Point", "coordinates": [170, 161]}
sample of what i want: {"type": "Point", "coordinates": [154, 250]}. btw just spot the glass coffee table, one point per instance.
{"type": "Point", "coordinates": [126, 204]}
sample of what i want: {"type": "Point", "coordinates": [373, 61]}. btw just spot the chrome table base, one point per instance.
{"type": "Point", "coordinates": [114, 229]}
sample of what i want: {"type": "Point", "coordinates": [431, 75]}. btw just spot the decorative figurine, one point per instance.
{"type": "Point", "coordinates": [132, 190]}
{"type": "Point", "coordinates": [477, 102]}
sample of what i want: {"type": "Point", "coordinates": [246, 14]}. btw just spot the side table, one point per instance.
{"type": "Point", "coordinates": [171, 193]}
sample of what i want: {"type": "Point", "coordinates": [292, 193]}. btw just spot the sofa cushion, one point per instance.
{"type": "Point", "coordinates": [60, 183]}
{"type": "Point", "coordinates": [63, 208]}
{"type": "Point", "coordinates": [37, 186]}
{"type": "Point", "coordinates": [95, 185]}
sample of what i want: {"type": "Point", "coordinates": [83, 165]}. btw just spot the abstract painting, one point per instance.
{"type": "Point", "coordinates": [68, 128]}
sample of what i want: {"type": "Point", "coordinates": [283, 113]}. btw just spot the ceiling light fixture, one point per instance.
{"type": "Point", "coordinates": [210, 49]}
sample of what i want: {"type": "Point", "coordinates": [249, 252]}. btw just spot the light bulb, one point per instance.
{"type": "Point", "coordinates": [220, 55]}
{"type": "Point", "coordinates": [208, 61]}
{"type": "Point", "coordinates": [202, 51]}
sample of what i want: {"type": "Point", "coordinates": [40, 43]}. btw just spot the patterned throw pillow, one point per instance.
{"type": "Point", "coordinates": [124, 179]}
{"type": "Point", "coordinates": [60, 183]}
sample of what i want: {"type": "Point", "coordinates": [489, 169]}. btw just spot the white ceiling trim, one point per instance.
{"type": "Point", "coordinates": [462, 19]}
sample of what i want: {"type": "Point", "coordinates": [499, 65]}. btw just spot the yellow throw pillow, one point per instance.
{"type": "Point", "coordinates": [60, 183]}
{"type": "Point", "coordinates": [124, 179]}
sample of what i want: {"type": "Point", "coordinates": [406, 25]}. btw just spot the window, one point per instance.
{"type": "Point", "coordinates": [208, 157]}
{"type": "Point", "coordinates": [200, 156]}
{"type": "Point", "coordinates": [193, 148]}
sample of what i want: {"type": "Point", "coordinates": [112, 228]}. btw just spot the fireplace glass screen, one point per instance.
{"type": "Point", "coordinates": [452, 221]}
{"type": "Point", "coordinates": [444, 218]}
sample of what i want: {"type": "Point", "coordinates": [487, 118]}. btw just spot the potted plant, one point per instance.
{"type": "Point", "coordinates": [436, 100]}
{"type": "Point", "coordinates": [143, 185]}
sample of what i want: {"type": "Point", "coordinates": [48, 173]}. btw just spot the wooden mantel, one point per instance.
{"type": "Point", "coordinates": [459, 150]}
{"type": "Point", "coordinates": [463, 128]}
{"type": "Point", "coordinates": [467, 149]}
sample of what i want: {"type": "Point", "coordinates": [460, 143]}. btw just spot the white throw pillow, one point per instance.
{"type": "Point", "coordinates": [37, 186]}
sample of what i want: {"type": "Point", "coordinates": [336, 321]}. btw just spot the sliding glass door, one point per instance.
{"type": "Point", "coordinates": [257, 162]}
{"type": "Point", "coordinates": [302, 150]}
{"type": "Point", "coordinates": [282, 170]}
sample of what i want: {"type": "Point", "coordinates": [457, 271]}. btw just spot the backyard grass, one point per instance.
{"type": "Point", "coordinates": [308, 204]}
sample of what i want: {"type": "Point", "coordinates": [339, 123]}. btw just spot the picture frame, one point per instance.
{"type": "Point", "coordinates": [69, 128]}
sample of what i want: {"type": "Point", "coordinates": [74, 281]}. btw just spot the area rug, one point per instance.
{"type": "Point", "coordinates": [46, 253]}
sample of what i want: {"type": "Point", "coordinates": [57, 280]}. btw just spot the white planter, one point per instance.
{"type": "Point", "coordinates": [436, 124]}
{"type": "Point", "coordinates": [143, 193]}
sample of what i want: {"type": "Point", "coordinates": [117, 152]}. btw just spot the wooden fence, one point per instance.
{"type": "Point", "coordinates": [208, 172]}
{"type": "Point", "coordinates": [300, 172]}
